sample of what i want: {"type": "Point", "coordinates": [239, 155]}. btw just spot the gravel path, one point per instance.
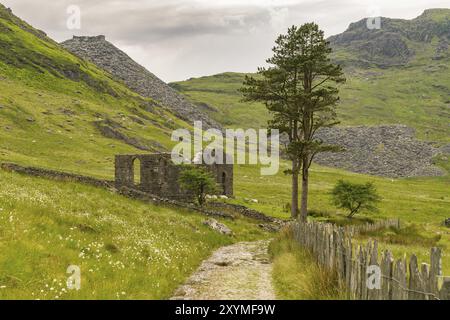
{"type": "Point", "coordinates": [237, 272]}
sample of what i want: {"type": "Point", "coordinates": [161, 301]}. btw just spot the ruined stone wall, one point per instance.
{"type": "Point", "coordinates": [56, 175]}
{"type": "Point", "coordinates": [224, 177]}
{"type": "Point", "coordinates": [159, 176]}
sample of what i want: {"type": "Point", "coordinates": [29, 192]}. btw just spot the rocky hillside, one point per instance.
{"type": "Point", "coordinates": [108, 57]}
{"type": "Point", "coordinates": [389, 151]}
{"type": "Point", "coordinates": [397, 42]}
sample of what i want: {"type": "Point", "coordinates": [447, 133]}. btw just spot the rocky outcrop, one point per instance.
{"type": "Point", "coordinates": [394, 43]}
{"type": "Point", "coordinates": [108, 57]}
{"type": "Point", "coordinates": [389, 151]}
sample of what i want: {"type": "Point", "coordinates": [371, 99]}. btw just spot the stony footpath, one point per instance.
{"type": "Point", "coordinates": [237, 272]}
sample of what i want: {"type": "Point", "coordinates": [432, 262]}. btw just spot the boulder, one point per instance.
{"type": "Point", "coordinates": [219, 227]}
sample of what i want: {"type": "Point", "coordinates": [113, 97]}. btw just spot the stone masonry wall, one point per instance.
{"type": "Point", "coordinates": [159, 176]}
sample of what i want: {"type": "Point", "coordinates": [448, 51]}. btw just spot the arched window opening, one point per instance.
{"type": "Point", "coordinates": [137, 172]}
{"type": "Point", "coordinates": [224, 183]}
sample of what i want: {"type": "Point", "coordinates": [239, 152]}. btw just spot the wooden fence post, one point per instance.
{"type": "Point", "coordinates": [445, 290]}
{"type": "Point", "coordinates": [435, 270]}
{"type": "Point", "coordinates": [333, 249]}
{"type": "Point", "coordinates": [374, 293]}
{"type": "Point", "coordinates": [399, 283]}
{"type": "Point", "coordinates": [386, 271]}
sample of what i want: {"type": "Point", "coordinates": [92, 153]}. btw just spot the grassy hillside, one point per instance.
{"type": "Point", "coordinates": [413, 91]}
{"type": "Point", "coordinates": [126, 249]}
{"type": "Point", "coordinates": [420, 202]}
{"type": "Point", "coordinates": [60, 112]}
{"type": "Point", "coordinates": [54, 105]}
{"type": "Point", "coordinates": [417, 96]}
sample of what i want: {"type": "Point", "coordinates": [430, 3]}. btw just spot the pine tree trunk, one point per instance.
{"type": "Point", "coordinates": [305, 184]}
{"type": "Point", "coordinates": [294, 200]}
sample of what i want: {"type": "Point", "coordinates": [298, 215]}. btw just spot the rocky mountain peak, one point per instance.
{"type": "Point", "coordinates": [395, 42]}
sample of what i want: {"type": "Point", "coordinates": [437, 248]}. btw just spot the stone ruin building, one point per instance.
{"type": "Point", "coordinates": [156, 174]}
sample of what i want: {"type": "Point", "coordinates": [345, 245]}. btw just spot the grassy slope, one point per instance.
{"type": "Point", "coordinates": [409, 95]}
{"type": "Point", "coordinates": [221, 93]}
{"type": "Point", "coordinates": [125, 249]}
{"type": "Point", "coordinates": [46, 119]}
{"type": "Point", "coordinates": [421, 201]}
{"type": "Point", "coordinates": [296, 274]}
{"type": "Point", "coordinates": [49, 100]}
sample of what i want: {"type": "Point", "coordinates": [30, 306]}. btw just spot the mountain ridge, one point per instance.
{"type": "Point", "coordinates": [410, 87]}
{"type": "Point", "coordinates": [396, 42]}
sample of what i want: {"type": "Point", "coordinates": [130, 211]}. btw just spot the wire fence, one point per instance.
{"type": "Point", "coordinates": [368, 274]}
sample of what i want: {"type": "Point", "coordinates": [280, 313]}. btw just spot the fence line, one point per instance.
{"type": "Point", "coordinates": [372, 227]}
{"type": "Point", "coordinates": [400, 279]}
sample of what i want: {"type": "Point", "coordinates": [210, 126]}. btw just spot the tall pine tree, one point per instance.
{"type": "Point", "coordinates": [299, 90]}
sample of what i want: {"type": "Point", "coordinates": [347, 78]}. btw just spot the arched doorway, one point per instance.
{"type": "Point", "coordinates": [224, 183]}
{"type": "Point", "coordinates": [137, 172]}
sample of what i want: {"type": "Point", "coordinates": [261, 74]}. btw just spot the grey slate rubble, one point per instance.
{"type": "Point", "coordinates": [108, 57]}
{"type": "Point", "coordinates": [388, 150]}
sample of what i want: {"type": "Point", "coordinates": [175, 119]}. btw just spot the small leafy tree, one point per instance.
{"type": "Point", "coordinates": [198, 181]}
{"type": "Point", "coordinates": [355, 197]}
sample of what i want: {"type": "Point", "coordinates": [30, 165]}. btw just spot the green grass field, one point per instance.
{"type": "Point", "coordinates": [126, 249]}
{"type": "Point", "coordinates": [424, 202]}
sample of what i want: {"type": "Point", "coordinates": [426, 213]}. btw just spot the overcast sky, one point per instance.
{"type": "Point", "coordinates": [179, 39]}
